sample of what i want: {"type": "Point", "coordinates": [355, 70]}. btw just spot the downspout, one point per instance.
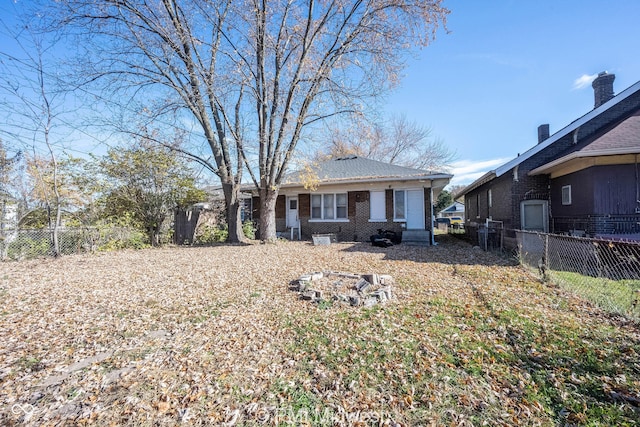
{"type": "Point", "coordinates": [433, 239]}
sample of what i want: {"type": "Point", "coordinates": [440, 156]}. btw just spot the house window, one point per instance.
{"type": "Point", "coordinates": [399, 204]}
{"type": "Point", "coordinates": [329, 206]}
{"type": "Point", "coordinates": [534, 215]}
{"type": "Point", "coordinates": [566, 194]}
{"type": "Point", "coordinates": [489, 198]}
{"type": "Point", "coordinates": [377, 207]}
{"type": "Point", "coordinates": [341, 205]}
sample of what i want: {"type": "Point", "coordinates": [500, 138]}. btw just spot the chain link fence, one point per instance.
{"type": "Point", "coordinates": [20, 244]}
{"type": "Point", "coordinates": [607, 272]}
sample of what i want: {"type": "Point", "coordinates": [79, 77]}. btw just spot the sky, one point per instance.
{"type": "Point", "coordinates": [507, 66]}
{"type": "Point", "coordinates": [504, 67]}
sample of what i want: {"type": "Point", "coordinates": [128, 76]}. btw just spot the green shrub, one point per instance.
{"type": "Point", "coordinates": [129, 239]}
{"type": "Point", "coordinates": [249, 230]}
{"type": "Point", "coordinates": [211, 234]}
{"type": "Point", "coordinates": [29, 247]}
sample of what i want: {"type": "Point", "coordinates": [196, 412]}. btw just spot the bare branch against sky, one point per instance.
{"type": "Point", "coordinates": [252, 77]}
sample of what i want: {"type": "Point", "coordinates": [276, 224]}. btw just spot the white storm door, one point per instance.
{"type": "Point", "coordinates": [292, 212]}
{"type": "Point", "coordinates": [415, 209]}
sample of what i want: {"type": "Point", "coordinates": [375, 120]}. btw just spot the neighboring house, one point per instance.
{"type": "Point", "coordinates": [211, 213]}
{"type": "Point", "coordinates": [454, 209]}
{"type": "Point", "coordinates": [217, 196]}
{"type": "Point", "coordinates": [352, 197]}
{"type": "Point", "coordinates": [582, 180]}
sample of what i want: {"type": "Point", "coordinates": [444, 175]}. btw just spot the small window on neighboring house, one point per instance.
{"type": "Point", "coordinates": [566, 194]}
{"type": "Point", "coordinates": [489, 198]}
{"type": "Point", "coordinates": [377, 207]}
{"type": "Point", "coordinates": [478, 205]}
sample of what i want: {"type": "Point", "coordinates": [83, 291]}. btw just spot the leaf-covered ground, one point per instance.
{"type": "Point", "coordinates": [213, 336]}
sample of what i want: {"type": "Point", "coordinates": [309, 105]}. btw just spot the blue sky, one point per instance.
{"type": "Point", "coordinates": [504, 68]}
{"type": "Point", "coordinates": [508, 66]}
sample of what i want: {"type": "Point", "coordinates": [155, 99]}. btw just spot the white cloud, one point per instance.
{"type": "Point", "coordinates": [583, 81]}
{"type": "Point", "coordinates": [467, 171]}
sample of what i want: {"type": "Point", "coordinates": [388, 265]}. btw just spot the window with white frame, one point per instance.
{"type": "Point", "coordinates": [329, 206]}
{"type": "Point", "coordinates": [399, 205]}
{"type": "Point", "coordinates": [377, 206]}
{"type": "Point", "coordinates": [566, 194]}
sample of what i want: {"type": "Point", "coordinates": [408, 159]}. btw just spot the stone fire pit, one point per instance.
{"type": "Point", "coordinates": [357, 290]}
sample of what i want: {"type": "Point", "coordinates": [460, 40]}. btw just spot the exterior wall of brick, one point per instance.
{"type": "Point", "coordinates": [281, 213]}
{"type": "Point", "coordinates": [388, 196]}
{"type": "Point", "coordinates": [304, 205]}
{"type": "Point", "coordinates": [358, 227]}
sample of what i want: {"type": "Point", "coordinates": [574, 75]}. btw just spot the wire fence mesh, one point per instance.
{"type": "Point", "coordinates": [19, 244]}
{"type": "Point", "coordinates": [607, 272]}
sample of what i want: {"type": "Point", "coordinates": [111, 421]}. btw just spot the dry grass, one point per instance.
{"type": "Point", "coordinates": [212, 335]}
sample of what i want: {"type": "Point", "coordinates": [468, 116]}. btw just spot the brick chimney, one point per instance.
{"type": "Point", "coordinates": [543, 132]}
{"type": "Point", "coordinates": [603, 88]}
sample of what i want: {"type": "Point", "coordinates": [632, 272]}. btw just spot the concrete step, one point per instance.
{"type": "Point", "coordinates": [416, 237]}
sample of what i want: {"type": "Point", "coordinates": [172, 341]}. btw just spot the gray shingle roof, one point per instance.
{"type": "Point", "coordinates": [624, 136]}
{"type": "Point", "coordinates": [353, 168]}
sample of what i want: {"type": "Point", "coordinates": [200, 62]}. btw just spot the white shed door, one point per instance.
{"type": "Point", "coordinates": [415, 210]}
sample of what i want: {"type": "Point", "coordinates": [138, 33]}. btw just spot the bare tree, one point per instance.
{"type": "Point", "coordinates": [455, 191]}
{"type": "Point", "coordinates": [256, 76]}
{"type": "Point", "coordinates": [398, 141]}
{"type": "Point", "coordinates": [32, 98]}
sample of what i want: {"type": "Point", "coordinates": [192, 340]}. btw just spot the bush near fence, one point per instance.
{"type": "Point", "coordinates": [19, 244]}
{"type": "Point", "coordinates": [607, 272]}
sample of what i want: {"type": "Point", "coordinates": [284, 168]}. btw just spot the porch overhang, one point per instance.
{"type": "Point", "coordinates": [580, 160]}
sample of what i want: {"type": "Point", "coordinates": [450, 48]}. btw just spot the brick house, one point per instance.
{"type": "Point", "coordinates": [352, 197]}
{"type": "Point", "coordinates": [582, 179]}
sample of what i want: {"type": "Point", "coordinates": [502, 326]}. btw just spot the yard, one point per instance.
{"type": "Point", "coordinates": [213, 335]}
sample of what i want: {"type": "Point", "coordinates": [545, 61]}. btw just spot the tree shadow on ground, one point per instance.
{"type": "Point", "coordinates": [448, 250]}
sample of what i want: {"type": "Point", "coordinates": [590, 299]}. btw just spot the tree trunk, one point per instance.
{"type": "Point", "coordinates": [268, 199]}
{"type": "Point", "coordinates": [155, 236]}
{"type": "Point", "coordinates": [234, 223]}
